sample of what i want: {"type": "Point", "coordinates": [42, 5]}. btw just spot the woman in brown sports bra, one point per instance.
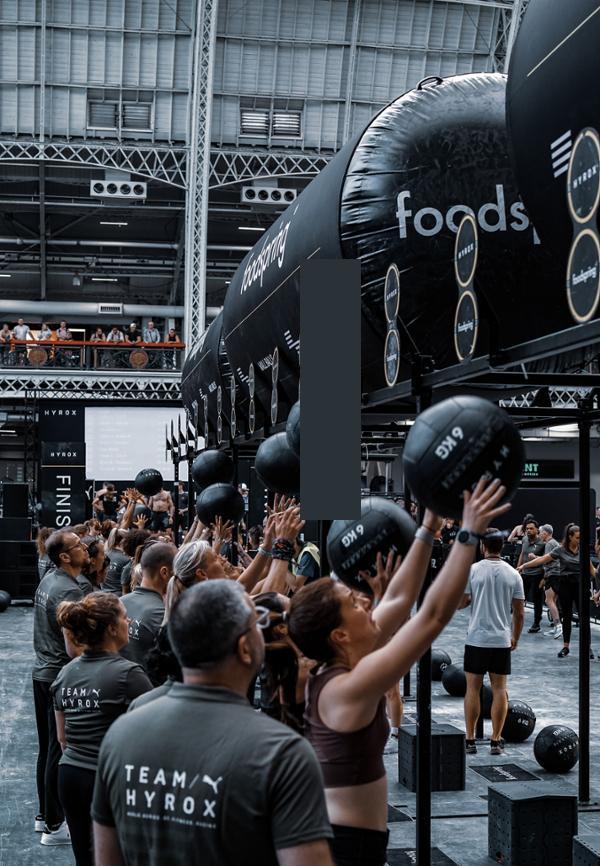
{"type": "Point", "coordinates": [362, 654]}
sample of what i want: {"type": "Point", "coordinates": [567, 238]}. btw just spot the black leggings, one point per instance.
{"type": "Point", "coordinates": [568, 595]}
{"type": "Point", "coordinates": [535, 594]}
{"type": "Point", "coordinates": [354, 846]}
{"type": "Point", "coordinates": [49, 753]}
{"type": "Point", "coordinates": [76, 790]}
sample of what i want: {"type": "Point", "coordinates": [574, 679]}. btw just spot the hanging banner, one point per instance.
{"type": "Point", "coordinates": [62, 483]}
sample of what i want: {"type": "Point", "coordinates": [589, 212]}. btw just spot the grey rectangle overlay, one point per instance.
{"type": "Point", "coordinates": [330, 376]}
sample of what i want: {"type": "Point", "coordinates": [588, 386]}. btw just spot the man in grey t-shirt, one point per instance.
{"type": "Point", "coordinates": [495, 593]}
{"type": "Point", "coordinates": [68, 555]}
{"type": "Point", "coordinates": [145, 607]}
{"type": "Point", "coordinates": [197, 777]}
{"type": "Point", "coordinates": [532, 547]}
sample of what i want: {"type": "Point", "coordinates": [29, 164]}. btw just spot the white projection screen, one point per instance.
{"type": "Point", "coordinates": [121, 440]}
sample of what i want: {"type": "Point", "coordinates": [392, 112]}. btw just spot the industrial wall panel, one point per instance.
{"type": "Point", "coordinates": [165, 61]}
{"type": "Point", "coordinates": [131, 60]}
{"type": "Point", "coordinates": [148, 55]}
{"type": "Point", "coordinates": [97, 12]}
{"type": "Point", "coordinates": [179, 120]}
{"type": "Point", "coordinates": [149, 14]}
{"type": "Point", "coordinates": [18, 10]}
{"type": "Point", "coordinates": [114, 12]}
{"type": "Point", "coordinates": [177, 15]}
{"type": "Point", "coordinates": [181, 57]}
{"type": "Point", "coordinates": [8, 108]}
{"type": "Point", "coordinates": [8, 53]}
{"type": "Point", "coordinates": [323, 125]}
{"type": "Point", "coordinates": [28, 65]}
{"type": "Point", "coordinates": [284, 19]}
{"type": "Point", "coordinates": [59, 11]}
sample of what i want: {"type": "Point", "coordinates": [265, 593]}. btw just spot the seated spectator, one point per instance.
{"type": "Point", "coordinates": [170, 359]}
{"type": "Point", "coordinates": [100, 357]}
{"type": "Point", "coordinates": [132, 335]}
{"type": "Point", "coordinates": [115, 335]}
{"type": "Point", "coordinates": [45, 332]}
{"type": "Point", "coordinates": [63, 332]}
{"type": "Point", "coordinates": [21, 331]}
{"type": "Point", "coordinates": [5, 338]}
{"type": "Point", "coordinates": [64, 356]}
{"type": "Point", "coordinates": [151, 334]}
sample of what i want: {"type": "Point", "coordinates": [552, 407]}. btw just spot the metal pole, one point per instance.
{"type": "Point", "coordinates": [191, 492]}
{"type": "Point", "coordinates": [584, 609]}
{"type": "Point", "coordinates": [424, 721]}
{"type": "Point", "coordinates": [176, 495]}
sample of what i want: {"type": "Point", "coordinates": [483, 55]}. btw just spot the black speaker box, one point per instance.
{"type": "Point", "coordinates": [14, 500]}
{"type": "Point", "coordinates": [18, 568]}
{"type": "Point", "coordinates": [15, 529]}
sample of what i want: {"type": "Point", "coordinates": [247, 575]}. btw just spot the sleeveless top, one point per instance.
{"type": "Point", "coordinates": [346, 759]}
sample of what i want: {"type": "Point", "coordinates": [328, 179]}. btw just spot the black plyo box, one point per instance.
{"type": "Point", "coordinates": [447, 758]}
{"type": "Point", "coordinates": [586, 850]}
{"type": "Point", "coordinates": [531, 823]}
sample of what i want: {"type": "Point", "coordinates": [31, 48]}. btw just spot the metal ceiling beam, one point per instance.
{"type": "Point", "coordinates": [154, 162]}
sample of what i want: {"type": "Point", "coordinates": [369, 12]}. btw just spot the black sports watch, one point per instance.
{"type": "Point", "coordinates": [465, 536]}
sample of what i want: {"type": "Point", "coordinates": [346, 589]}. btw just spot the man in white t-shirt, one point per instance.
{"type": "Point", "coordinates": [21, 331]}
{"type": "Point", "coordinates": [497, 599]}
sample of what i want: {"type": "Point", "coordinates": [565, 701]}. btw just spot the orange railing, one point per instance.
{"type": "Point", "coordinates": [91, 354]}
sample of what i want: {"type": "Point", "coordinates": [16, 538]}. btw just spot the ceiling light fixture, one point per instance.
{"type": "Point", "coordinates": [6, 276]}
{"type": "Point", "coordinates": [104, 280]}
{"type": "Point", "coordinates": [251, 229]}
{"type": "Point", "coordinates": [109, 223]}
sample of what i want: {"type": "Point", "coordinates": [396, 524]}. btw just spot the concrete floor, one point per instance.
{"type": "Point", "coordinates": [459, 824]}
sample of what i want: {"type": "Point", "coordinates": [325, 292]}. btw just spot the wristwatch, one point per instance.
{"type": "Point", "coordinates": [465, 536]}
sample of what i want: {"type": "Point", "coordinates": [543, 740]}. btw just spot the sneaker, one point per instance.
{"type": "Point", "coordinates": [496, 747]}
{"type": "Point", "coordinates": [558, 631]}
{"type": "Point", "coordinates": [564, 652]}
{"type": "Point", "coordinates": [39, 823]}
{"type": "Point", "coordinates": [60, 836]}
{"type": "Point", "coordinates": [551, 632]}
{"type": "Point", "coordinates": [534, 629]}
{"type": "Point", "coordinates": [592, 655]}
{"type": "Point", "coordinates": [470, 747]}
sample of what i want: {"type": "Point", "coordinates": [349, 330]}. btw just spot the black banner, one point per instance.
{"type": "Point", "coordinates": [63, 483]}
{"type": "Point", "coordinates": [62, 422]}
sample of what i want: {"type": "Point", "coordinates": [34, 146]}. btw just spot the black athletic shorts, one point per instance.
{"type": "Point", "coordinates": [484, 660]}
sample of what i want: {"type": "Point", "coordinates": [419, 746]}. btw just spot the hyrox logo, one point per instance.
{"type": "Point", "coordinates": [491, 216]}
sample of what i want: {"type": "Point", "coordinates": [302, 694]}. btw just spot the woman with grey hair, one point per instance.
{"type": "Point", "coordinates": [197, 561]}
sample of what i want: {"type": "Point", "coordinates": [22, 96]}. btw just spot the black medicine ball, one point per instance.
{"type": "Point", "coordinates": [353, 545]}
{"type": "Point", "coordinates": [148, 482]}
{"type": "Point", "coordinates": [520, 722]}
{"type": "Point", "coordinates": [452, 444]}
{"type": "Point", "coordinates": [277, 466]}
{"type": "Point", "coordinates": [556, 748]}
{"type": "Point", "coordinates": [439, 662]}
{"type": "Point", "coordinates": [292, 429]}
{"type": "Point", "coordinates": [141, 510]}
{"type": "Point", "coordinates": [212, 467]}
{"type": "Point", "coordinates": [220, 500]}
{"type": "Point", "coordinates": [455, 681]}
{"type": "Point", "coordinates": [5, 600]}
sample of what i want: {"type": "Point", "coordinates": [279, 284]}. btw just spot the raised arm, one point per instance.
{"type": "Point", "coordinates": [405, 585]}
{"type": "Point", "coordinates": [349, 701]}
{"type": "Point", "coordinates": [286, 528]}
